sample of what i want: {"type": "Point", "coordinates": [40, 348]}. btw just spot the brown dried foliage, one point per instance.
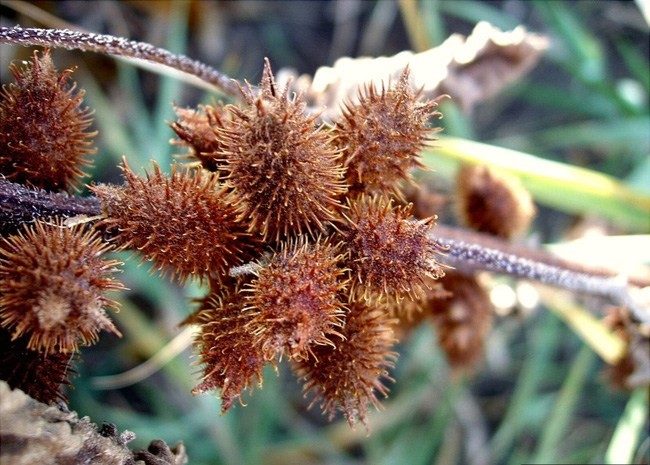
{"type": "Point", "coordinates": [44, 137]}
{"type": "Point", "coordinates": [295, 301]}
{"type": "Point", "coordinates": [183, 222]}
{"type": "Point", "coordinates": [350, 376]}
{"type": "Point", "coordinates": [284, 173]}
{"type": "Point", "coordinates": [633, 369]}
{"type": "Point", "coordinates": [382, 135]}
{"type": "Point", "coordinates": [52, 284]}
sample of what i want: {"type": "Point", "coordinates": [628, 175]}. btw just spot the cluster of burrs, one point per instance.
{"type": "Point", "coordinates": [299, 228]}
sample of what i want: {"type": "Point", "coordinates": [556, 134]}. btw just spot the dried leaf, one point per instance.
{"type": "Point", "coordinates": [469, 69]}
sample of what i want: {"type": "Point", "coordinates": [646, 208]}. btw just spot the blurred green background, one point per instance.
{"type": "Point", "coordinates": [540, 396]}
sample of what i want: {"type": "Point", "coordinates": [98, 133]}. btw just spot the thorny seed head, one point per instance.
{"type": "Point", "coordinates": [463, 320]}
{"type": "Point", "coordinates": [39, 375]}
{"type": "Point", "coordinates": [390, 253]}
{"type": "Point", "coordinates": [283, 170]}
{"type": "Point", "coordinates": [196, 130]}
{"type": "Point", "coordinates": [382, 135]}
{"type": "Point", "coordinates": [44, 137]}
{"type": "Point", "coordinates": [295, 300]}
{"type": "Point", "coordinates": [52, 284]}
{"type": "Point", "coordinates": [492, 202]}
{"type": "Point", "coordinates": [349, 376]}
{"type": "Point", "coordinates": [182, 222]}
{"type": "Point", "coordinates": [230, 359]}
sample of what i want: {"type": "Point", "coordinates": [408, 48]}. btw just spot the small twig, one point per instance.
{"type": "Point", "coordinates": [118, 46]}
{"type": "Point", "coordinates": [470, 252]}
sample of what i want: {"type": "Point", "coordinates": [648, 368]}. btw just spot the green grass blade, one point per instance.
{"type": "Point", "coordinates": [621, 134]}
{"type": "Point", "coordinates": [578, 48]}
{"type": "Point", "coordinates": [476, 11]}
{"type": "Point", "coordinates": [170, 88]}
{"type": "Point", "coordinates": [568, 188]}
{"type": "Point", "coordinates": [636, 63]}
{"type": "Point", "coordinates": [629, 429]}
{"type": "Point", "coordinates": [542, 341]}
{"type": "Point", "coordinates": [555, 426]}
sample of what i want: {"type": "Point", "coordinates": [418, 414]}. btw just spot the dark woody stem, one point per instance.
{"type": "Point", "coordinates": [117, 46]}
{"type": "Point", "coordinates": [468, 252]}
{"type": "Point", "coordinates": [20, 204]}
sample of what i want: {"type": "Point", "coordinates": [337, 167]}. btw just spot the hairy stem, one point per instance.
{"type": "Point", "coordinates": [20, 204]}
{"type": "Point", "coordinates": [117, 46]}
{"type": "Point", "coordinates": [471, 251]}
{"type": "Point", "coordinates": [468, 252]}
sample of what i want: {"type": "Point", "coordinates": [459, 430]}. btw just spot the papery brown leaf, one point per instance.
{"type": "Point", "coordinates": [469, 69]}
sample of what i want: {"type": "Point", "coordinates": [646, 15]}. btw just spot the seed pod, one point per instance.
{"type": "Point", "coordinates": [196, 130]}
{"type": "Point", "coordinates": [463, 321]}
{"type": "Point", "coordinates": [44, 137]}
{"type": "Point", "coordinates": [382, 135]}
{"type": "Point", "coordinates": [52, 284]}
{"type": "Point", "coordinates": [284, 172]}
{"type": "Point", "coordinates": [492, 202]}
{"type": "Point", "coordinates": [183, 222]}
{"type": "Point", "coordinates": [230, 359]}
{"type": "Point", "coordinates": [41, 376]}
{"type": "Point", "coordinates": [295, 302]}
{"type": "Point", "coordinates": [390, 253]}
{"type": "Point", "coordinates": [350, 376]}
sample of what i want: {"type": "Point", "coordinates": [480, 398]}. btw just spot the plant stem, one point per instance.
{"type": "Point", "coordinates": [20, 204]}
{"type": "Point", "coordinates": [470, 252]}
{"type": "Point", "coordinates": [118, 46]}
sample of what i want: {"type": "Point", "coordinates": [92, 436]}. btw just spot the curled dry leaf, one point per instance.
{"type": "Point", "coordinates": [470, 69]}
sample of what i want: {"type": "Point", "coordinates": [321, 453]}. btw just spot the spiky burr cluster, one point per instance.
{"type": "Point", "coordinates": [196, 130]}
{"type": "Point", "coordinates": [53, 276]}
{"type": "Point", "coordinates": [389, 252]}
{"type": "Point", "coordinates": [336, 251]}
{"type": "Point", "coordinates": [296, 301]}
{"type": "Point", "coordinates": [45, 140]}
{"type": "Point", "coordinates": [294, 226]}
{"type": "Point", "coordinates": [381, 136]}
{"type": "Point", "coordinates": [231, 361]}
{"type": "Point", "coordinates": [349, 376]}
{"type": "Point", "coordinates": [280, 165]}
